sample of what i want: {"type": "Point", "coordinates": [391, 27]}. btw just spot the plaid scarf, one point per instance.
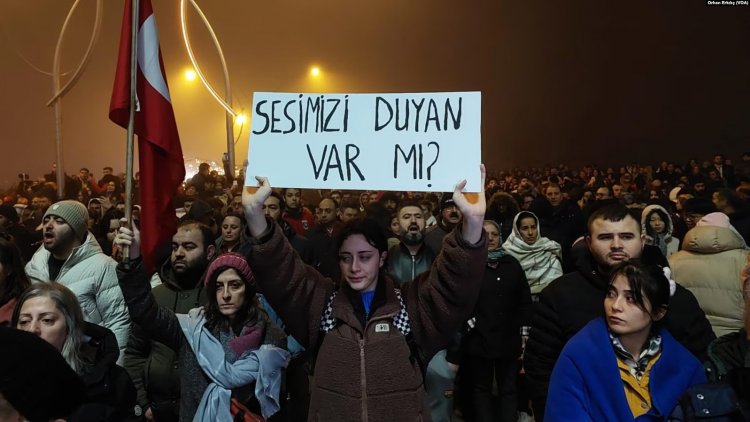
{"type": "Point", "coordinates": [636, 366]}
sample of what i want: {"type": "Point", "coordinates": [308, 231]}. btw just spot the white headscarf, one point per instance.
{"type": "Point", "coordinates": [540, 260]}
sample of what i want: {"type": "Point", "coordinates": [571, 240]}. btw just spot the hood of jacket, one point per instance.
{"type": "Point", "coordinates": [647, 214]}
{"type": "Point", "coordinates": [712, 239]}
{"type": "Point", "coordinates": [38, 268]}
{"type": "Point", "coordinates": [99, 346]}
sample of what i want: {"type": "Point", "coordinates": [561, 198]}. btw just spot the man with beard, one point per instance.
{"type": "Point", "coordinates": [72, 257]}
{"type": "Point", "coordinates": [411, 256]}
{"type": "Point", "coordinates": [390, 201]}
{"type": "Point", "coordinates": [449, 218]}
{"type": "Point", "coordinates": [568, 303]}
{"type": "Point", "coordinates": [405, 261]}
{"type": "Point", "coordinates": [153, 365]}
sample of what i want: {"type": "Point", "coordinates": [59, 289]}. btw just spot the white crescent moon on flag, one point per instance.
{"type": "Point", "coordinates": [148, 56]}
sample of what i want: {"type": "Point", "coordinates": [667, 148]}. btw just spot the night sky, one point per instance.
{"type": "Point", "coordinates": [573, 82]}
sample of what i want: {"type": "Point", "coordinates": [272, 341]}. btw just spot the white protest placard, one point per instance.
{"type": "Point", "coordinates": [402, 142]}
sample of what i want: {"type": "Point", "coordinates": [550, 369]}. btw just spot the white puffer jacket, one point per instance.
{"type": "Point", "coordinates": [709, 265]}
{"type": "Point", "coordinates": [92, 276]}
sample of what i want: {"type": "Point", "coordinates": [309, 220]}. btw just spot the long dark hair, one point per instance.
{"type": "Point", "coordinates": [16, 280]}
{"type": "Point", "coordinates": [247, 314]}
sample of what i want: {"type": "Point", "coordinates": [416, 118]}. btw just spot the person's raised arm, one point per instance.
{"type": "Point", "coordinates": [473, 213]}
{"type": "Point", "coordinates": [253, 205]}
{"type": "Point", "coordinates": [158, 322]}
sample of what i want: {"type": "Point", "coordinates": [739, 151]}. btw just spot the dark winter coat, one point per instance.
{"type": "Point", "coordinates": [153, 365]}
{"type": "Point", "coordinates": [729, 361]}
{"type": "Point", "coordinates": [503, 307]}
{"type": "Point", "coordinates": [110, 394]}
{"type": "Point", "coordinates": [365, 369]}
{"type": "Point", "coordinates": [161, 324]}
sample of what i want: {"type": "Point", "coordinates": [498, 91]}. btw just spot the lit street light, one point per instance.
{"type": "Point", "coordinates": [315, 71]}
{"type": "Point", "coordinates": [240, 119]}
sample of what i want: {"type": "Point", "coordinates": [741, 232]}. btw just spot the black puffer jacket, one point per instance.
{"type": "Point", "coordinates": [152, 365]}
{"type": "Point", "coordinates": [567, 304]}
{"type": "Point", "coordinates": [110, 394]}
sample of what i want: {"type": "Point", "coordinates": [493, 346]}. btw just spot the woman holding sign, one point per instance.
{"type": "Point", "coordinates": [372, 340]}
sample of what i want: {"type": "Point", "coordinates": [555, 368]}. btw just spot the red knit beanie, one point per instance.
{"type": "Point", "coordinates": [232, 260]}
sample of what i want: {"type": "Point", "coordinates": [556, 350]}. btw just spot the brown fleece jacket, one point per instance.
{"type": "Point", "coordinates": [369, 373]}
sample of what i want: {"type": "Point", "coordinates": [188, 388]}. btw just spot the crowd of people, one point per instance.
{"type": "Point", "coordinates": [558, 294]}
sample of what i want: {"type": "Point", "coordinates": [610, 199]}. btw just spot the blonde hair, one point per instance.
{"type": "Point", "coordinates": [67, 303]}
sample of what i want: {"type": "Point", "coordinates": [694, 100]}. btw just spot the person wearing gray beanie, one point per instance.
{"type": "Point", "coordinates": [74, 213]}
{"type": "Point", "coordinates": [71, 257]}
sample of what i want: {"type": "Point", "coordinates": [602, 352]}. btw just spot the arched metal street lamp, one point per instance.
{"type": "Point", "coordinates": [226, 102]}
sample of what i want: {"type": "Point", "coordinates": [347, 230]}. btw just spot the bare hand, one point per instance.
{"type": "Point", "coordinates": [149, 415]}
{"type": "Point", "coordinates": [473, 213]}
{"type": "Point", "coordinates": [252, 202]}
{"type": "Point", "coordinates": [130, 238]}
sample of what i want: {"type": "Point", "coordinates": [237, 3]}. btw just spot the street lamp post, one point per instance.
{"type": "Point", "coordinates": [226, 103]}
{"type": "Point", "coordinates": [59, 91]}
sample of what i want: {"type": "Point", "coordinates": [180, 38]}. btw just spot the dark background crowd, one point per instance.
{"type": "Point", "coordinates": [558, 199]}
{"type": "Point", "coordinates": [717, 183]}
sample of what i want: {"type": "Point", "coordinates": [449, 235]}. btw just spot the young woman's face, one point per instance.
{"type": "Point", "coordinates": [529, 231]}
{"type": "Point", "coordinates": [230, 229]}
{"type": "Point", "coordinates": [360, 263]}
{"type": "Point", "coordinates": [230, 293]}
{"type": "Point", "coordinates": [624, 316]}
{"type": "Point", "coordinates": [39, 315]}
{"type": "Point", "coordinates": [493, 236]}
{"type": "Point", "coordinates": [656, 223]}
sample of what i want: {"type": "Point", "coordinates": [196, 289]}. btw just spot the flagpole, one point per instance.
{"type": "Point", "coordinates": [131, 122]}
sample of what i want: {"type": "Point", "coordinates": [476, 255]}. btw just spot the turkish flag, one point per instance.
{"type": "Point", "coordinates": [162, 168]}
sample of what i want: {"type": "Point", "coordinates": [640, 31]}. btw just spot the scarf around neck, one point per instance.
{"type": "Point", "coordinates": [262, 365]}
{"type": "Point", "coordinates": [495, 255]}
{"type": "Point", "coordinates": [541, 261]}
{"type": "Point", "coordinates": [636, 365]}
